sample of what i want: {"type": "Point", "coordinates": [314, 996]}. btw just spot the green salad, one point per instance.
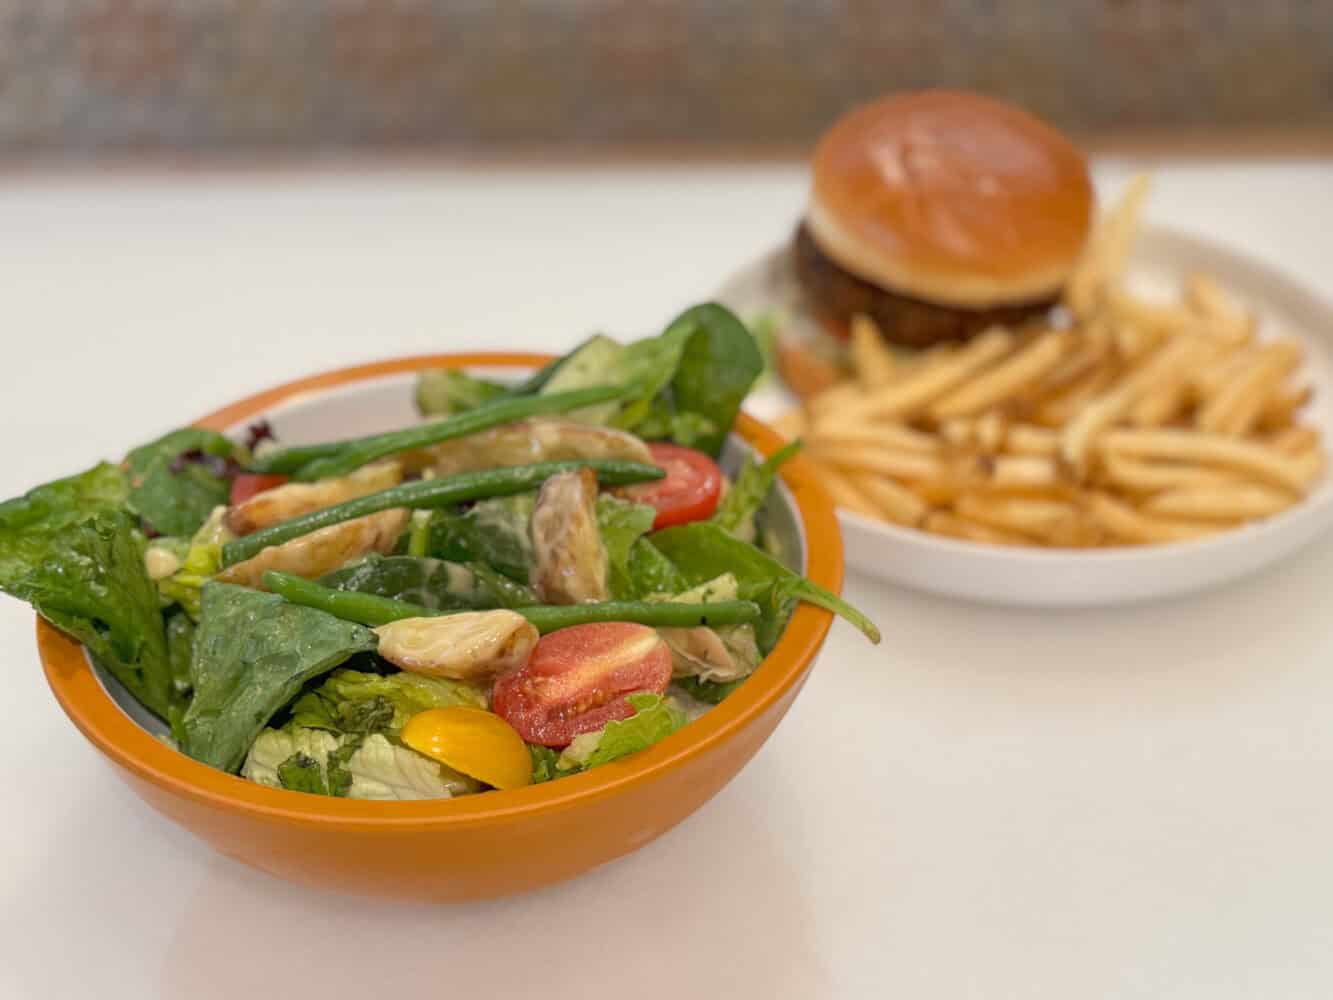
{"type": "Point", "coordinates": [538, 579]}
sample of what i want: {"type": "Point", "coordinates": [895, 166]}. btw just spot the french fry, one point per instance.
{"type": "Point", "coordinates": [1218, 450]}
{"type": "Point", "coordinates": [1295, 440]}
{"type": "Point", "coordinates": [1057, 410]}
{"type": "Point", "coordinates": [1023, 368]}
{"type": "Point", "coordinates": [1237, 502]}
{"type": "Point", "coordinates": [844, 494]}
{"type": "Point", "coordinates": [874, 363]}
{"type": "Point", "coordinates": [881, 461]}
{"type": "Point", "coordinates": [1166, 365]}
{"type": "Point", "coordinates": [886, 435]}
{"type": "Point", "coordinates": [1226, 316]}
{"type": "Point", "coordinates": [1240, 400]}
{"type": "Point", "coordinates": [990, 429]}
{"type": "Point", "coordinates": [833, 399]}
{"type": "Point", "coordinates": [1103, 259]}
{"type": "Point", "coordinates": [1126, 524]}
{"type": "Point", "coordinates": [1160, 406]}
{"type": "Point", "coordinates": [791, 424]}
{"type": "Point", "coordinates": [894, 503]}
{"type": "Point", "coordinates": [1138, 477]}
{"type": "Point", "coordinates": [1029, 439]}
{"type": "Point", "coordinates": [1281, 408]}
{"type": "Point", "coordinates": [1037, 519]}
{"type": "Point", "coordinates": [951, 525]}
{"type": "Point", "coordinates": [905, 396]}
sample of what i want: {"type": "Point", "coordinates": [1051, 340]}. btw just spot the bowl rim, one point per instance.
{"type": "Point", "coordinates": [111, 730]}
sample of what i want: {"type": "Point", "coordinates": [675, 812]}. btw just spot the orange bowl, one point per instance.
{"type": "Point", "coordinates": [478, 846]}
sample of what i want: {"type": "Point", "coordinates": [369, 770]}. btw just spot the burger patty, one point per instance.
{"type": "Point", "coordinates": [838, 295]}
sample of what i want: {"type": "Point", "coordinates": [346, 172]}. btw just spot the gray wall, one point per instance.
{"type": "Point", "coordinates": [82, 75]}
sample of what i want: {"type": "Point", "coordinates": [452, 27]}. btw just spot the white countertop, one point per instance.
{"type": "Point", "coordinates": [992, 804]}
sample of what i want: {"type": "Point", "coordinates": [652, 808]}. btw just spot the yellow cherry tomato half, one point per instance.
{"type": "Point", "coordinates": [478, 743]}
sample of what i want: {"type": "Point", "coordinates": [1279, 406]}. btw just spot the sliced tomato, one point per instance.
{"type": "Point", "coordinates": [689, 492]}
{"type": "Point", "coordinates": [247, 484]}
{"type": "Point", "coordinates": [577, 679]}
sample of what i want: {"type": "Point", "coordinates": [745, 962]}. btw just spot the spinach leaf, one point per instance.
{"type": "Point", "coordinates": [302, 773]}
{"type": "Point", "coordinates": [650, 572]}
{"type": "Point", "coordinates": [440, 393]}
{"type": "Point", "coordinates": [747, 494]}
{"type": "Point", "coordinates": [30, 524]}
{"type": "Point", "coordinates": [494, 532]}
{"type": "Point", "coordinates": [718, 367]}
{"type": "Point", "coordinates": [180, 651]}
{"type": "Point", "coordinates": [703, 551]}
{"type": "Point", "coordinates": [431, 583]}
{"type": "Point", "coordinates": [621, 524]}
{"type": "Point", "coordinates": [87, 578]}
{"type": "Point", "coordinates": [176, 497]}
{"type": "Point", "coordinates": [252, 654]}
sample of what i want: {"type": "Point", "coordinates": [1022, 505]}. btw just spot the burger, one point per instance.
{"type": "Point", "coordinates": [938, 214]}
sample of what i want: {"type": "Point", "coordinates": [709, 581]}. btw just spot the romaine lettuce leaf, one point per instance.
{"type": "Point", "coordinates": [654, 719]}
{"type": "Point", "coordinates": [440, 393]}
{"type": "Point", "coordinates": [622, 523]}
{"type": "Point", "coordinates": [704, 551]}
{"type": "Point", "coordinates": [354, 767]}
{"type": "Point", "coordinates": [738, 508]}
{"type": "Point", "coordinates": [252, 653]}
{"type": "Point", "coordinates": [351, 701]}
{"type": "Point", "coordinates": [176, 497]}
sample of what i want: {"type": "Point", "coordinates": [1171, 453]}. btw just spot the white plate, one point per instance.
{"type": "Point", "coordinates": [1081, 577]}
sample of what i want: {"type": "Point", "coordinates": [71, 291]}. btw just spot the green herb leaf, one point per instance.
{"type": "Point", "coordinates": [302, 773]}
{"type": "Point", "coordinates": [352, 701]}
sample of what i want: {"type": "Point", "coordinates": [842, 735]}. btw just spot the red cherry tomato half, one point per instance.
{"type": "Point", "coordinates": [247, 484]}
{"type": "Point", "coordinates": [689, 492]}
{"type": "Point", "coordinates": [577, 678]}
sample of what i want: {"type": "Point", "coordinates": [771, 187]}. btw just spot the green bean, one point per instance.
{"type": "Point", "coordinates": [371, 609]}
{"type": "Point", "coordinates": [307, 463]}
{"type": "Point", "coordinates": [425, 493]}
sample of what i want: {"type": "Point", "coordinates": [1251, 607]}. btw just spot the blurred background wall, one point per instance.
{"type": "Point", "coordinates": [79, 77]}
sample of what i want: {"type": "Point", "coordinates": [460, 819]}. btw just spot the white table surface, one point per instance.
{"type": "Point", "coordinates": [992, 804]}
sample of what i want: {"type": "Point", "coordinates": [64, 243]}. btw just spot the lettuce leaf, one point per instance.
{"type": "Point", "coordinates": [622, 523]}
{"type": "Point", "coordinates": [650, 572]}
{"type": "Point", "coordinates": [440, 393]}
{"type": "Point", "coordinates": [352, 701]}
{"type": "Point", "coordinates": [252, 653]}
{"type": "Point", "coordinates": [654, 719]}
{"type": "Point", "coordinates": [704, 551]}
{"type": "Point", "coordinates": [736, 513]}
{"type": "Point", "coordinates": [176, 497]}
{"type": "Point", "coordinates": [709, 692]}
{"type": "Point", "coordinates": [355, 767]}
{"type": "Point", "coordinates": [30, 523]}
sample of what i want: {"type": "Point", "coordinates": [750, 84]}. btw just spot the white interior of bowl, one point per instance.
{"type": "Point", "coordinates": [385, 403]}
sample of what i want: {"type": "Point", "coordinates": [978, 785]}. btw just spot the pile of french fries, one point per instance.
{"type": "Point", "coordinates": [1119, 422]}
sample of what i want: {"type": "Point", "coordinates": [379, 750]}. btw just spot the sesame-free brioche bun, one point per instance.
{"type": "Point", "coordinates": [951, 198]}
